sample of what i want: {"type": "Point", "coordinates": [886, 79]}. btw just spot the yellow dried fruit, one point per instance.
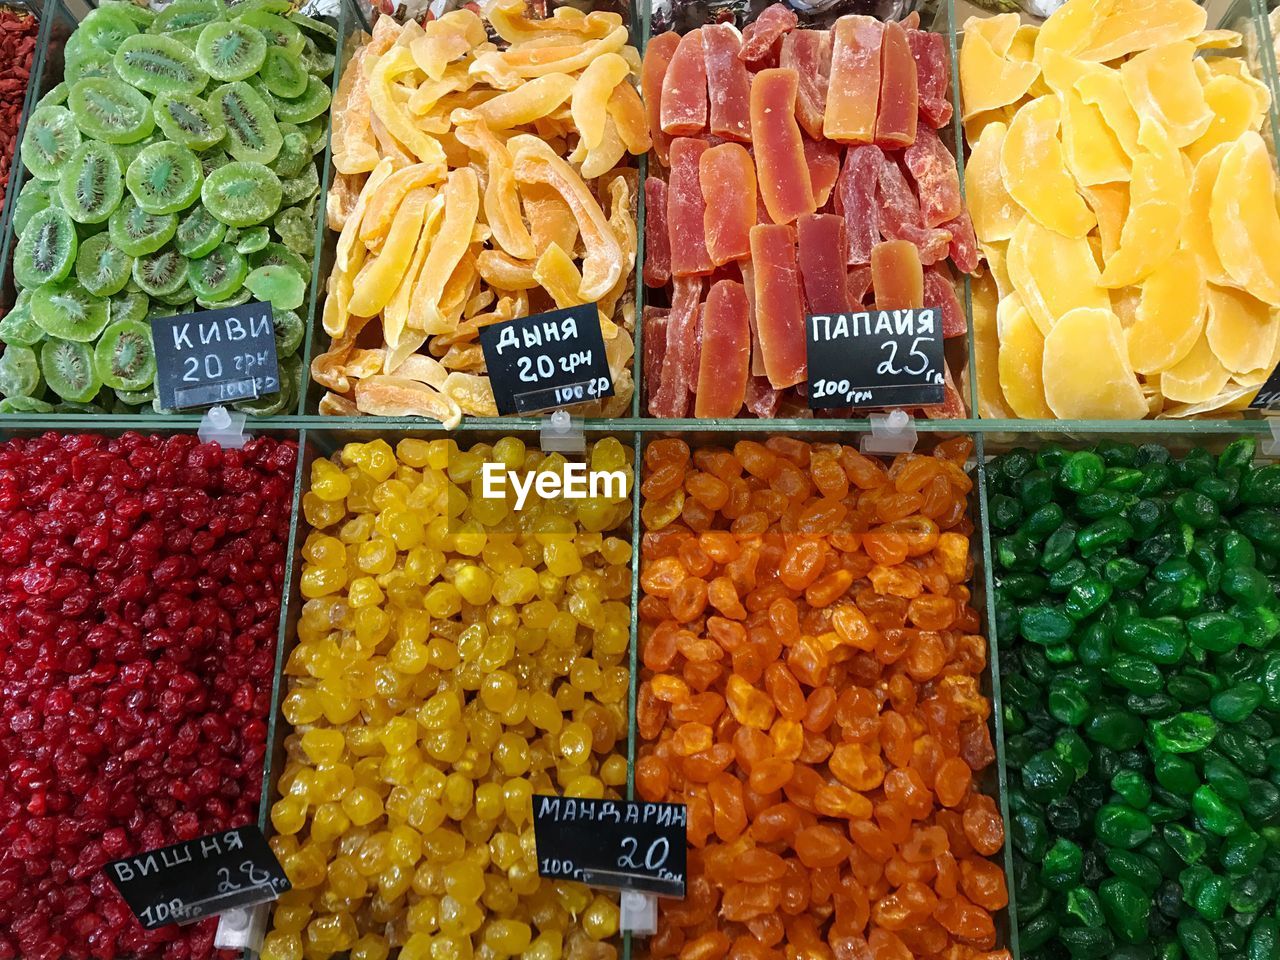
{"type": "Point", "coordinates": [995, 214]}
{"type": "Point", "coordinates": [1242, 331]}
{"type": "Point", "coordinates": [1170, 314]}
{"type": "Point", "coordinates": [986, 349]}
{"type": "Point", "coordinates": [1021, 361]}
{"type": "Point", "coordinates": [1093, 340]}
{"type": "Point", "coordinates": [1161, 84]}
{"type": "Point", "coordinates": [1246, 223]}
{"type": "Point", "coordinates": [1034, 170]}
{"type": "Point", "coordinates": [1140, 24]}
{"type": "Point", "coordinates": [988, 79]}
{"type": "Point", "coordinates": [1196, 377]}
{"type": "Point", "coordinates": [1053, 274]}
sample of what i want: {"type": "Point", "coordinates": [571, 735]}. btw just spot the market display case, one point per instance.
{"type": "Point", "coordinates": [989, 908]}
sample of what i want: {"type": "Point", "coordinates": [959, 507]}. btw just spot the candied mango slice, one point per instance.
{"type": "Point", "coordinates": [1235, 110]}
{"type": "Point", "coordinates": [1170, 314]}
{"type": "Point", "coordinates": [728, 181]}
{"type": "Point", "coordinates": [995, 214]}
{"type": "Point", "coordinates": [853, 92]}
{"type": "Point", "coordinates": [1086, 369]}
{"type": "Point", "coordinates": [1053, 274]}
{"type": "Point", "coordinates": [1103, 88]}
{"type": "Point", "coordinates": [724, 364]}
{"type": "Point", "coordinates": [986, 349]}
{"type": "Point", "coordinates": [1110, 204]}
{"type": "Point", "coordinates": [779, 307]}
{"type": "Point", "coordinates": [1158, 200]}
{"type": "Point", "coordinates": [1199, 230]}
{"type": "Point", "coordinates": [1092, 150]}
{"type": "Point", "coordinates": [781, 170]}
{"type": "Point", "coordinates": [1140, 24]}
{"type": "Point", "coordinates": [999, 31]}
{"type": "Point", "coordinates": [1241, 330]}
{"type": "Point", "coordinates": [1162, 85]}
{"type": "Point", "coordinates": [728, 82]}
{"type": "Point", "coordinates": [1197, 377]}
{"type": "Point", "coordinates": [1246, 223]}
{"type": "Point", "coordinates": [1034, 170]}
{"type": "Point", "coordinates": [899, 90]}
{"type": "Point", "coordinates": [987, 79]}
{"type": "Point", "coordinates": [1020, 364]}
{"type": "Point", "coordinates": [1072, 27]}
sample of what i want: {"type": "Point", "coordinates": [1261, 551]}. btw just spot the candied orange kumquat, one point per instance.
{"type": "Point", "coordinates": [811, 691]}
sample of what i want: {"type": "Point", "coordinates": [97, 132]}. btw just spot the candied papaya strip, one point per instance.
{"type": "Point", "coordinates": [779, 306]}
{"type": "Point", "coordinates": [684, 89]}
{"type": "Point", "coordinates": [528, 102]}
{"type": "Point", "coordinates": [899, 105]}
{"type": "Point", "coordinates": [686, 210]}
{"type": "Point", "coordinates": [728, 181]}
{"type": "Point", "coordinates": [933, 76]}
{"type": "Point", "coordinates": [626, 110]}
{"type": "Point", "coordinates": [679, 365]}
{"type": "Point", "coordinates": [603, 264]}
{"type": "Point", "coordinates": [963, 248]}
{"type": "Point", "coordinates": [937, 183]}
{"type": "Point", "coordinates": [900, 217]}
{"type": "Point", "coordinates": [657, 58]}
{"type": "Point", "coordinates": [940, 291]}
{"type": "Point", "coordinates": [728, 84]}
{"type": "Point", "coordinates": [808, 53]}
{"type": "Point", "coordinates": [762, 34]}
{"type": "Point", "coordinates": [857, 199]}
{"type": "Point", "coordinates": [655, 347]}
{"type": "Point", "coordinates": [724, 364]}
{"type": "Point", "coordinates": [501, 197]}
{"type": "Point", "coordinates": [822, 157]}
{"type": "Point", "coordinates": [781, 170]}
{"type": "Point", "coordinates": [897, 277]}
{"type": "Point", "coordinates": [657, 245]}
{"type": "Point", "coordinates": [589, 104]}
{"type": "Point", "coordinates": [853, 92]}
{"type": "Point", "coordinates": [823, 252]}
{"type": "Point", "coordinates": [762, 398]}
{"type": "Point", "coordinates": [375, 285]}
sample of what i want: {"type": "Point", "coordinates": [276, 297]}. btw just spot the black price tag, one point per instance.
{"type": "Point", "coordinates": [1268, 397]}
{"type": "Point", "coordinates": [198, 878]}
{"type": "Point", "coordinates": [876, 358]}
{"type": "Point", "coordinates": [548, 360]}
{"type": "Point", "coordinates": [623, 844]}
{"type": "Point", "coordinates": [215, 356]}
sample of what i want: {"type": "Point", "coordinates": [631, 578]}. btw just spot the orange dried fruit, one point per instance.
{"type": "Point", "coordinates": [988, 78]}
{"type": "Point", "coordinates": [1170, 314]}
{"type": "Point", "coordinates": [1021, 361]}
{"type": "Point", "coordinates": [1246, 223]}
{"type": "Point", "coordinates": [1053, 273]}
{"type": "Point", "coordinates": [993, 211]}
{"type": "Point", "coordinates": [1162, 85]}
{"type": "Point", "coordinates": [1034, 170]}
{"type": "Point", "coordinates": [1242, 331]}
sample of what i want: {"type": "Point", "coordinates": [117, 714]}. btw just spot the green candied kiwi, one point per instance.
{"type": "Point", "coordinates": [173, 162]}
{"type": "Point", "coordinates": [1139, 630]}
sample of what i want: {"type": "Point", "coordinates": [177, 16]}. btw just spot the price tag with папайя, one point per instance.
{"type": "Point", "coordinates": [875, 358]}
{"type": "Point", "coordinates": [547, 360]}
{"type": "Point", "coordinates": [620, 844]}
{"type": "Point", "coordinates": [198, 878]}
{"type": "Point", "coordinates": [215, 356]}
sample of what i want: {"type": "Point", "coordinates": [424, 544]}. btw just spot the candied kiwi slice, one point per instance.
{"type": "Point", "coordinates": [19, 371]}
{"type": "Point", "coordinates": [253, 239]}
{"type": "Point", "coordinates": [56, 96]}
{"type": "Point", "coordinates": [184, 14]}
{"type": "Point", "coordinates": [240, 296]}
{"type": "Point", "coordinates": [281, 286]}
{"type": "Point", "coordinates": [189, 121]}
{"type": "Point", "coordinates": [242, 194]}
{"type": "Point", "coordinates": [68, 369]}
{"type": "Point", "coordinates": [161, 273]}
{"type": "Point", "coordinates": [160, 65]}
{"type": "Point", "coordinates": [142, 16]}
{"type": "Point", "coordinates": [300, 188]}
{"type": "Point", "coordinates": [18, 326]}
{"type": "Point", "coordinates": [137, 232]}
{"type": "Point", "coordinates": [106, 28]}
{"type": "Point", "coordinates": [129, 305]}
{"type": "Point", "coordinates": [49, 140]}
{"type": "Point", "coordinates": [278, 31]}
{"type": "Point", "coordinates": [199, 232]}
{"type": "Point", "coordinates": [47, 249]}
{"type": "Point", "coordinates": [295, 152]}
{"type": "Point", "coordinates": [231, 49]}
{"type": "Point", "coordinates": [313, 102]}
{"type": "Point", "coordinates": [136, 398]}
{"type": "Point", "coordinates": [279, 255]}
{"type": "Point", "coordinates": [252, 132]}
{"type": "Point", "coordinates": [219, 274]}
{"type": "Point", "coordinates": [164, 178]}
{"type": "Point", "coordinates": [69, 311]}
{"type": "Point", "coordinates": [125, 357]}
{"type": "Point", "coordinates": [283, 74]}
{"type": "Point", "coordinates": [314, 60]}
{"type": "Point", "coordinates": [288, 331]}
{"type": "Point", "coordinates": [110, 110]}
{"type": "Point", "coordinates": [311, 25]}
{"type": "Point", "coordinates": [101, 267]}
{"type": "Point", "coordinates": [36, 195]}
{"type": "Point", "coordinates": [91, 185]}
